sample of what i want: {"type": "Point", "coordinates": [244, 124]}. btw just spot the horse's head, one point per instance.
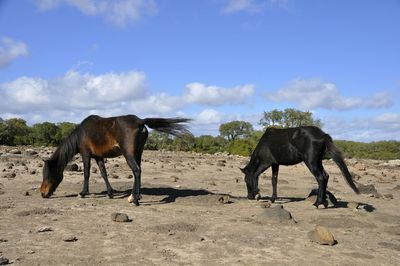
{"type": "Point", "coordinates": [52, 177]}
{"type": "Point", "coordinates": [251, 183]}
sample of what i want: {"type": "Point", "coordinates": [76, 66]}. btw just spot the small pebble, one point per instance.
{"type": "Point", "coordinates": [70, 239]}
{"type": "Point", "coordinates": [44, 229]}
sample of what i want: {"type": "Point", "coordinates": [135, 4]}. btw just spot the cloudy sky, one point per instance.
{"type": "Point", "coordinates": [213, 60]}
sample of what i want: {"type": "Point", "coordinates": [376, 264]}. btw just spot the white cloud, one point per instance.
{"type": "Point", "coordinates": [208, 116]}
{"type": "Point", "coordinates": [200, 93]}
{"type": "Point", "coordinates": [72, 91]}
{"type": "Point", "coordinates": [234, 6]}
{"type": "Point", "coordinates": [252, 6]}
{"type": "Point", "coordinates": [384, 126]}
{"type": "Point", "coordinates": [313, 93]}
{"type": "Point", "coordinates": [74, 95]}
{"type": "Point", "coordinates": [10, 50]}
{"type": "Point", "coordinates": [118, 12]}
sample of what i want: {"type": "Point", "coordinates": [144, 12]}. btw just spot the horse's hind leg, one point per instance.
{"type": "Point", "coordinates": [86, 173]}
{"type": "Point", "coordinates": [274, 181]}
{"type": "Point", "coordinates": [130, 159]}
{"type": "Point", "coordinates": [103, 171]}
{"type": "Point", "coordinates": [322, 177]}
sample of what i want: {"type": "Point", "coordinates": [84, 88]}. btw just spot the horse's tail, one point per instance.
{"type": "Point", "coordinates": [173, 126]}
{"type": "Point", "coordinates": [338, 159]}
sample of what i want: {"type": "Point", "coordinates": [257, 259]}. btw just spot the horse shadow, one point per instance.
{"type": "Point", "coordinates": [170, 193]}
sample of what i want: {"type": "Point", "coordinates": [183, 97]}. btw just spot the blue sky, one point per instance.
{"type": "Point", "coordinates": [213, 60]}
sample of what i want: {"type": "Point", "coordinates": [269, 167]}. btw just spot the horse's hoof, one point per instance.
{"type": "Point", "coordinates": [136, 202]}
{"type": "Point", "coordinates": [130, 198]}
{"type": "Point", "coordinates": [110, 195]}
{"type": "Point", "coordinates": [81, 195]}
{"type": "Point", "coordinates": [258, 196]}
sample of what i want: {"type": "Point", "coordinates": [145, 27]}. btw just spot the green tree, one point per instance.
{"type": "Point", "coordinates": [184, 143]}
{"type": "Point", "coordinates": [209, 144]}
{"type": "Point", "coordinates": [63, 130]}
{"type": "Point", "coordinates": [44, 134]}
{"type": "Point", "coordinates": [289, 118]}
{"type": "Point", "coordinates": [14, 131]}
{"type": "Point", "coordinates": [158, 141]}
{"type": "Point", "coordinates": [236, 129]}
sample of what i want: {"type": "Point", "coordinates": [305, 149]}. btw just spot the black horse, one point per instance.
{"type": "Point", "coordinates": [291, 146]}
{"type": "Point", "coordinates": [100, 138]}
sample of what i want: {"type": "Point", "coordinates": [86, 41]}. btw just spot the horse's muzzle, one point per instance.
{"type": "Point", "coordinates": [44, 195]}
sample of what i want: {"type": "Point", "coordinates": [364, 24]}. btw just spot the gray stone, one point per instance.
{"type": "Point", "coordinates": [72, 167]}
{"type": "Point", "coordinates": [44, 229]}
{"type": "Point", "coordinates": [70, 239]}
{"type": "Point", "coordinates": [120, 217]}
{"type": "Point", "coordinates": [276, 214]}
{"type": "Point", "coordinates": [4, 261]}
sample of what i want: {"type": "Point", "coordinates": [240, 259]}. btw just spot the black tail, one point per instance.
{"type": "Point", "coordinates": [173, 126]}
{"type": "Point", "coordinates": [338, 159]}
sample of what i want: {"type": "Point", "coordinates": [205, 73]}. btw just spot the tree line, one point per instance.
{"type": "Point", "coordinates": [235, 137]}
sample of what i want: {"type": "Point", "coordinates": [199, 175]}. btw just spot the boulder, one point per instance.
{"type": "Point", "coordinates": [276, 214]}
{"type": "Point", "coordinates": [120, 217]}
{"type": "Point", "coordinates": [322, 236]}
{"type": "Point", "coordinates": [72, 167]}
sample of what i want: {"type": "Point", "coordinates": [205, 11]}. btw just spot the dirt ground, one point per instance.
{"type": "Point", "coordinates": [194, 212]}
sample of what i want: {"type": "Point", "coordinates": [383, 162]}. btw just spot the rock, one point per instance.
{"type": "Point", "coordinates": [355, 176]}
{"type": "Point", "coordinates": [15, 151]}
{"type": "Point", "coordinates": [4, 261]}
{"type": "Point", "coordinates": [129, 176]}
{"type": "Point", "coordinates": [32, 172]}
{"type": "Point", "coordinates": [393, 163]}
{"type": "Point", "coordinates": [3, 240]}
{"type": "Point", "coordinates": [9, 175]}
{"type": "Point", "coordinates": [360, 166]}
{"type": "Point", "coordinates": [388, 196]}
{"type": "Point", "coordinates": [115, 176]}
{"type": "Point", "coordinates": [224, 199]}
{"type": "Point", "coordinates": [265, 205]}
{"type": "Point", "coordinates": [221, 163]}
{"type": "Point", "coordinates": [396, 188]}
{"type": "Point", "coordinates": [72, 167]}
{"type": "Point", "coordinates": [94, 170]}
{"type": "Point", "coordinates": [174, 178]}
{"type": "Point", "coordinates": [276, 214]}
{"type": "Point", "coordinates": [322, 236]}
{"type": "Point", "coordinates": [30, 152]}
{"type": "Point", "coordinates": [70, 239]}
{"type": "Point", "coordinates": [120, 217]}
{"type": "Point", "coordinates": [44, 229]}
{"type": "Point", "coordinates": [369, 190]}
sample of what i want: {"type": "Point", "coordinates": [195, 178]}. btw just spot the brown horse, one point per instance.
{"type": "Point", "coordinates": [100, 138]}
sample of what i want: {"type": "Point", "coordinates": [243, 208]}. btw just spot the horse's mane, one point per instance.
{"type": "Point", "coordinates": [67, 149]}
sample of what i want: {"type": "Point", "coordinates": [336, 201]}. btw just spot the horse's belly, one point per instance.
{"type": "Point", "coordinates": [114, 152]}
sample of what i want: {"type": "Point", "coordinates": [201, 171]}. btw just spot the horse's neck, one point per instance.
{"type": "Point", "coordinates": [63, 155]}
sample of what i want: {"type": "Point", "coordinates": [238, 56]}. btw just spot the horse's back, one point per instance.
{"type": "Point", "coordinates": [103, 136]}
{"type": "Point", "coordinates": [289, 146]}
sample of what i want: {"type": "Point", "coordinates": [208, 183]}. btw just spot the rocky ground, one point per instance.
{"type": "Point", "coordinates": [194, 212]}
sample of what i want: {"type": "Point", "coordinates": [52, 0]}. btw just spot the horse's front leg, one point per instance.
{"type": "Point", "coordinates": [274, 181]}
{"type": "Point", "coordinates": [103, 171]}
{"type": "Point", "coordinates": [86, 175]}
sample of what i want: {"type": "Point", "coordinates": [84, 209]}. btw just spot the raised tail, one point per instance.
{"type": "Point", "coordinates": [173, 126]}
{"type": "Point", "coordinates": [338, 159]}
